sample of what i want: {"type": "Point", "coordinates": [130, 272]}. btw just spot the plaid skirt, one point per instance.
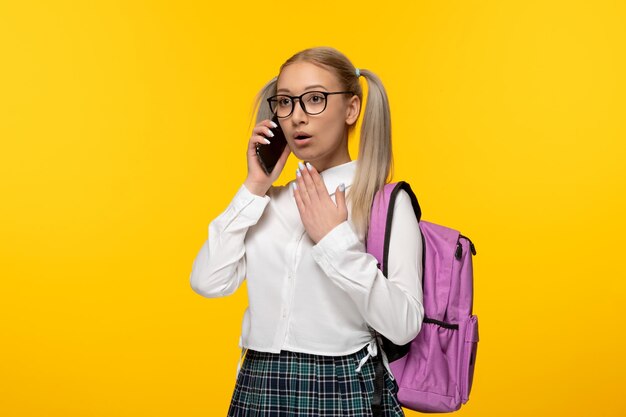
{"type": "Point", "coordinates": [300, 384]}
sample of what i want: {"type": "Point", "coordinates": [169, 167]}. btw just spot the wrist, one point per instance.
{"type": "Point", "coordinates": [256, 188]}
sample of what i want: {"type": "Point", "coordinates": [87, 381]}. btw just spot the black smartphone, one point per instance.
{"type": "Point", "coordinates": [270, 154]}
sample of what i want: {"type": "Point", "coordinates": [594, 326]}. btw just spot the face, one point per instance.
{"type": "Point", "coordinates": [327, 144]}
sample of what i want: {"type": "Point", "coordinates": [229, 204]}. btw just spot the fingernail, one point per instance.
{"type": "Point", "coordinates": [267, 141]}
{"type": "Point", "coordinates": [269, 132]}
{"type": "Point", "coordinates": [342, 187]}
{"type": "Point", "coordinates": [301, 165]}
{"type": "Point", "coordinates": [273, 124]}
{"type": "Point", "coordinates": [298, 173]}
{"type": "Point", "coordinates": [308, 166]}
{"type": "Point", "coordinates": [294, 185]}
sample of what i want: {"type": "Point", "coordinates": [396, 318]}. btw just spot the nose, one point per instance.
{"type": "Point", "coordinates": [298, 115]}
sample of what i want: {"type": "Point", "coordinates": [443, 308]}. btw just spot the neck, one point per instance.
{"type": "Point", "coordinates": [324, 165]}
{"type": "Point", "coordinates": [341, 156]}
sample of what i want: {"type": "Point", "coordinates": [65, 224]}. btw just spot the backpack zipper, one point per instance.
{"type": "Point", "coordinates": [459, 248]}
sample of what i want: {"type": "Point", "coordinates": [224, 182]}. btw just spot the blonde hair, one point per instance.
{"type": "Point", "coordinates": [375, 160]}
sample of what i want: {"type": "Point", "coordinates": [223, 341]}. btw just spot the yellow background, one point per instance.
{"type": "Point", "coordinates": [123, 128]}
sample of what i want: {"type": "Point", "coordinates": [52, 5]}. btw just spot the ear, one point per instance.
{"type": "Point", "coordinates": [353, 109]}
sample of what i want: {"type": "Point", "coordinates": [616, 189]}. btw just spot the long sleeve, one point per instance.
{"type": "Point", "coordinates": [394, 305]}
{"type": "Point", "coordinates": [220, 266]}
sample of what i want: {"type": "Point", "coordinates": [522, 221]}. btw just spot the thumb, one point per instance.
{"type": "Point", "coordinates": [340, 199]}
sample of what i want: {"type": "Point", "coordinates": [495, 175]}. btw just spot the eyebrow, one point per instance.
{"type": "Point", "coordinates": [307, 88]}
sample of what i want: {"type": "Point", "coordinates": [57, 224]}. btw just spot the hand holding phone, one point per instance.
{"type": "Point", "coordinates": [269, 154]}
{"type": "Point", "coordinates": [261, 158]}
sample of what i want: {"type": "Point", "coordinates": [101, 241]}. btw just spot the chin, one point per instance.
{"type": "Point", "coordinates": [303, 154]}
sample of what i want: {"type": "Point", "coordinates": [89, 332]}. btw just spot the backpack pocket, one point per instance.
{"type": "Point", "coordinates": [468, 357]}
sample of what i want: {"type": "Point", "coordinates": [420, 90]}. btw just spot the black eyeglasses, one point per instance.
{"type": "Point", "coordinates": [282, 105]}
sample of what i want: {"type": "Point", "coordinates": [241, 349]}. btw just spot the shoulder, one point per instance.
{"type": "Point", "coordinates": [402, 202]}
{"type": "Point", "coordinates": [403, 196]}
{"type": "Point", "coordinates": [403, 199]}
{"type": "Point", "coordinates": [403, 213]}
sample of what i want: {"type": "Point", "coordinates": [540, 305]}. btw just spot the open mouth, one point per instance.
{"type": "Point", "coordinates": [302, 137]}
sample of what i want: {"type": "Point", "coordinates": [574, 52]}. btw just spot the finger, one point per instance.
{"type": "Point", "coordinates": [308, 181]}
{"type": "Point", "coordinates": [260, 139]}
{"type": "Point", "coordinates": [269, 122]}
{"type": "Point", "coordinates": [298, 197]}
{"type": "Point", "coordinates": [261, 133]}
{"type": "Point", "coordinates": [254, 140]}
{"type": "Point", "coordinates": [318, 182]}
{"type": "Point", "coordinates": [340, 199]}
{"type": "Point", "coordinates": [264, 131]}
{"type": "Point", "coordinates": [302, 188]}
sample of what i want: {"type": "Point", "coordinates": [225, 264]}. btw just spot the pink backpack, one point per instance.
{"type": "Point", "coordinates": [434, 371]}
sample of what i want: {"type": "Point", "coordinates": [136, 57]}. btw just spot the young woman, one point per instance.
{"type": "Point", "coordinates": [313, 290]}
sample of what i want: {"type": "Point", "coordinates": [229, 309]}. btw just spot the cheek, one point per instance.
{"type": "Point", "coordinates": [332, 119]}
{"type": "Point", "coordinates": [336, 126]}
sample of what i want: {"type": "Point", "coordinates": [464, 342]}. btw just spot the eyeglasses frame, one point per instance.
{"type": "Point", "coordinates": [293, 102]}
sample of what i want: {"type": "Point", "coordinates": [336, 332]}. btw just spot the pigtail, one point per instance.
{"type": "Point", "coordinates": [375, 165]}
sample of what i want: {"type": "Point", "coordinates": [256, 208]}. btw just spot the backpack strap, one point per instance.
{"type": "Point", "coordinates": [377, 244]}
{"type": "Point", "coordinates": [379, 385]}
{"type": "Point", "coordinates": [379, 231]}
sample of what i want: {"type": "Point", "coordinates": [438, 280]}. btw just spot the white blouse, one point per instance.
{"type": "Point", "coordinates": [306, 297]}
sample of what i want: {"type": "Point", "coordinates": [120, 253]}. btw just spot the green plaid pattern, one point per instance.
{"type": "Point", "coordinates": [290, 384]}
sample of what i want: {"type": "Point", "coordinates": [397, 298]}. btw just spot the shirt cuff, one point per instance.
{"type": "Point", "coordinates": [245, 197]}
{"type": "Point", "coordinates": [245, 206]}
{"type": "Point", "coordinates": [335, 244]}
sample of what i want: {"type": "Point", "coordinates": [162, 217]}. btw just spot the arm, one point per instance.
{"type": "Point", "coordinates": [220, 266]}
{"type": "Point", "coordinates": [394, 305]}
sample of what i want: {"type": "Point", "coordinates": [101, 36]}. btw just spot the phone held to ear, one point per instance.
{"type": "Point", "coordinates": [270, 154]}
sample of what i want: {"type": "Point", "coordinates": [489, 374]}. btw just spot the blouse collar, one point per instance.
{"type": "Point", "coordinates": [338, 174]}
